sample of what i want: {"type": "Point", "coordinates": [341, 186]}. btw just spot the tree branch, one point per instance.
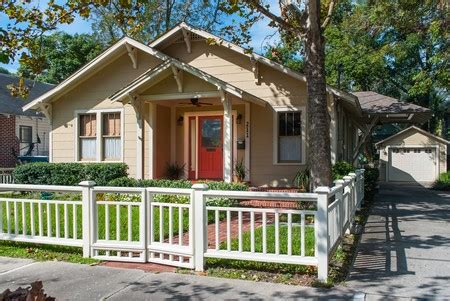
{"type": "Point", "coordinates": [277, 19]}
{"type": "Point", "coordinates": [330, 12]}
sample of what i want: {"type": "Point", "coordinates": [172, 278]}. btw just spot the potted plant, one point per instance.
{"type": "Point", "coordinates": [302, 180]}
{"type": "Point", "coordinates": [174, 171]}
{"type": "Point", "coordinates": [239, 171]}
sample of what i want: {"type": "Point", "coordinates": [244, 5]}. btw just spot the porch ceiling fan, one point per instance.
{"type": "Point", "coordinates": [196, 102]}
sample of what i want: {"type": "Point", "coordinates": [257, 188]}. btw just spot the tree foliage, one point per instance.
{"type": "Point", "coordinates": [64, 54]}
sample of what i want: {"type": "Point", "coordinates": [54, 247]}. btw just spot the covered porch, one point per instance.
{"type": "Point", "coordinates": [189, 119]}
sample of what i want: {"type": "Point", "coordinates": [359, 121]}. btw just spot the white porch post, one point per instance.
{"type": "Point", "coordinates": [227, 139]}
{"type": "Point", "coordinates": [151, 140]}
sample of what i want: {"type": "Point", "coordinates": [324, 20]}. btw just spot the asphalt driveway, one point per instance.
{"type": "Point", "coordinates": [405, 248]}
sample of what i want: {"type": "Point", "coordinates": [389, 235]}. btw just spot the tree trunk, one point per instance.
{"type": "Point", "coordinates": [319, 150]}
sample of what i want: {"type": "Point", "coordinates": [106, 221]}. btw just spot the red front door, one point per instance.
{"type": "Point", "coordinates": [210, 147]}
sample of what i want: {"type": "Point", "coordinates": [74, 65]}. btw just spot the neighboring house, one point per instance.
{"type": "Point", "coordinates": [21, 132]}
{"type": "Point", "coordinates": [206, 105]}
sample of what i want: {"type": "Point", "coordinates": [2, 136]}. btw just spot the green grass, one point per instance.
{"type": "Point", "coordinates": [443, 182]}
{"type": "Point", "coordinates": [43, 252]}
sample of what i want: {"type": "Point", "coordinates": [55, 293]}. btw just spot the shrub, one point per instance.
{"type": "Point", "coordinates": [370, 182]}
{"type": "Point", "coordinates": [68, 173]}
{"type": "Point", "coordinates": [443, 183]}
{"type": "Point", "coordinates": [216, 185]}
{"type": "Point", "coordinates": [341, 169]}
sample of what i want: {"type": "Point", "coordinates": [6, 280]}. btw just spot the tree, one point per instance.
{"type": "Point", "coordinates": [4, 71]}
{"type": "Point", "coordinates": [300, 21]}
{"type": "Point", "coordinates": [155, 17]}
{"type": "Point", "coordinates": [64, 54]}
{"type": "Point", "coordinates": [402, 54]}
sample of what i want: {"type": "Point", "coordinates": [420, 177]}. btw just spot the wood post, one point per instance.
{"type": "Point", "coordinates": [321, 227]}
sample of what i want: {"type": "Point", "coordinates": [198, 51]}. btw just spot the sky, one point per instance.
{"type": "Point", "coordinates": [261, 32]}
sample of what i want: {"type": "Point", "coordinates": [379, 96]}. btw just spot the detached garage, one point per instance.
{"type": "Point", "coordinates": [412, 155]}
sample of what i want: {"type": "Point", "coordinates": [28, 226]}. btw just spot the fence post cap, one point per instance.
{"type": "Point", "coordinates": [322, 189]}
{"type": "Point", "coordinates": [200, 186]}
{"type": "Point", "coordinates": [87, 183]}
{"type": "Point", "coordinates": [352, 174]}
{"type": "Point", "coordinates": [347, 178]}
{"type": "Point", "coordinates": [339, 182]}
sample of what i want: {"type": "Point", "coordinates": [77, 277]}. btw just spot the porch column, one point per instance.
{"type": "Point", "coordinates": [227, 139]}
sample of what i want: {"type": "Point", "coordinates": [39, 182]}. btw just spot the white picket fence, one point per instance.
{"type": "Point", "coordinates": [6, 176]}
{"type": "Point", "coordinates": [182, 227]}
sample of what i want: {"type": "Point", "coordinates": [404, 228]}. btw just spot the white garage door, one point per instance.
{"type": "Point", "coordinates": [412, 164]}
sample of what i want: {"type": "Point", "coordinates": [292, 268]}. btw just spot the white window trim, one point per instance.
{"type": "Point", "coordinates": [279, 109]}
{"type": "Point", "coordinates": [99, 131]}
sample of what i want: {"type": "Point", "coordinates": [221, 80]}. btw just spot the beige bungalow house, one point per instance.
{"type": "Point", "coordinates": [193, 99]}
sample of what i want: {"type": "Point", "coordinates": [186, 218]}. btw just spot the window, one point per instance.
{"type": "Point", "coordinates": [88, 136]}
{"type": "Point", "coordinates": [25, 134]}
{"type": "Point", "coordinates": [111, 136]}
{"type": "Point", "coordinates": [289, 131]}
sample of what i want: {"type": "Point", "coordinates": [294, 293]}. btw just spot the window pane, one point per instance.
{"type": "Point", "coordinates": [25, 133]}
{"type": "Point", "coordinates": [112, 148]}
{"type": "Point", "coordinates": [111, 124]}
{"type": "Point", "coordinates": [290, 148]}
{"type": "Point", "coordinates": [297, 124]}
{"type": "Point", "coordinates": [282, 124]}
{"type": "Point", "coordinates": [88, 125]}
{"type": "Point", "coordinates": [88, 148]}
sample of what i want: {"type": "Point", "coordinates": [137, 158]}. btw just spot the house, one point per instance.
{"type": "Point", "coordinates": [21, 132]}
{"type": "Point", "coordinates": [412, 155]}
{"type": "Point", "coordinates": [190, 98]}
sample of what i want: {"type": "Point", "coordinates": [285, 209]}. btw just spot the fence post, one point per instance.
{"type": "Point", "coordinates": [362, 185]}
{"type": "Point", "coordinates": [322, 232]}
{"type": "Point", "coordinates": [200, 226]}
{"type": "Point", "coordinates": [86, 215]}
{"type": "Point", "coordinates": [349, 209]}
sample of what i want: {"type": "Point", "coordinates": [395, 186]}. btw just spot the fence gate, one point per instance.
{"type": "Point", "coordinates": [117, 220]}
{"type": "Point", "coordinates": [170, 227]}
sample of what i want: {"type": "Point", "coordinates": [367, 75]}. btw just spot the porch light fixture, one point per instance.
{"type": "Point", "coordinates": [180, 121]}
{"type": "Point", "coordinates": [239, 119]}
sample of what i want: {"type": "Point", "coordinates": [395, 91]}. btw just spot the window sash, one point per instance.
{"type": "Point", "coordinates": [88, 148]}
{"type": "Point", "coordinates": [290, 144]}
{"type": "Point", "coordinates": [25, 134]}
{"type": "Point", "coordinates": [88, 125]}
{"type": "Point", "coordinates": [112, 148]}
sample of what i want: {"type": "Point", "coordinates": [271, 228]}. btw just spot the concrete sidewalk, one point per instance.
{"type": "Point", "coordinates": [67, 281]}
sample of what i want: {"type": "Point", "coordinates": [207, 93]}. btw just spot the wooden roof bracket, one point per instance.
{"type": "Point", "coordinates": [46, 109]}
{"type": "Point", "coordinates": [255, 69]}
{"type": "Point", "coordinates": [132, 52]}
{"type": "Point", "coordinates": [187, 39]}
{"type": "Point", "coordinates": [178, 75]}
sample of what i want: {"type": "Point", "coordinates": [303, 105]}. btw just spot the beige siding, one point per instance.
{"type": "Point", "coordinates": [190, 84]}
{"type": "Point", "coordinates": [411, 138]}
{"type": "Point", "coordinates": [92, 94]}
{"type": "Point", "coordinates": [276, 87]}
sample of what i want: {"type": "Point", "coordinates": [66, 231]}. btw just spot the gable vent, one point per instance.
{"type": "Point", "coordinates": [194, 37]}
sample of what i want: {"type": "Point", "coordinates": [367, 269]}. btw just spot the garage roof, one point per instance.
{"type": "Point", "coordinates": [416, 129]}
{"type": "Point", "coordinates": [391, 110]}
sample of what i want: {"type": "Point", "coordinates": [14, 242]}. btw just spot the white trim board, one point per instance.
{"type": "Point", "coordinates": [303, 117]}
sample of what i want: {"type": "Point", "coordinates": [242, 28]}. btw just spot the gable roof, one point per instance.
{"type": "Point", "coordinates": [154, 72]}
{"type": "Point", "coordinates": [254, 56]}
{"type": "Point", "coordinates": [99, 60]}
{"type": "Point", "coordinates": [13, 105]}
{"type": "Point", "coordinates": [413, 128]}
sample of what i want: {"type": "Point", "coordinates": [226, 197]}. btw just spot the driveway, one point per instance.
{"type": "Point", "coordinates": [405, 247]}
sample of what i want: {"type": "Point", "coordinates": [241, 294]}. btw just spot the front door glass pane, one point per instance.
{"type": "Point", "coordinates": [211, 133]}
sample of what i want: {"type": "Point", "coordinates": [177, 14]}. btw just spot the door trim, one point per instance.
{"type": "Point", "coordinates": [186, 116]}
{"type": "Point", "coordinates": [390, 147]}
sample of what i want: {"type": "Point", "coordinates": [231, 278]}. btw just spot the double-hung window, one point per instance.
{"type": "Point", "coordinates": [99, 136]}
{"type": "Point", "coordinates": [111, 136]}
{"type": "Point", "coordinates": [88, 137]}
{"type": "Point", "coordinates": [289, 137]}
